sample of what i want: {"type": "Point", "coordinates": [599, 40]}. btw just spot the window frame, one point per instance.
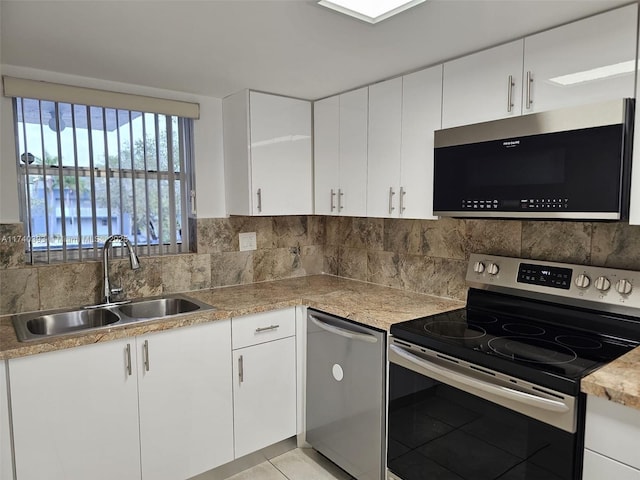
{"type": "Point", "coordinates": [183, 177]}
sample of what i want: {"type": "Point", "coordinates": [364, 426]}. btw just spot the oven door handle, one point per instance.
{"type": "Point", "coordinates": [457, 379]}
{"type": "Point", "coordinates": [343, 331]}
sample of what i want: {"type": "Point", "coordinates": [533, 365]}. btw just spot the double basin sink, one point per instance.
{"type": "Point", "coordinates": [41, 325]}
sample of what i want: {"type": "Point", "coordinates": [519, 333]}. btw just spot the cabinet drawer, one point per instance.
{"type": "Point", "coordinates": [263, 327]}
{"type": "Point", "coordinates": [597, 467]}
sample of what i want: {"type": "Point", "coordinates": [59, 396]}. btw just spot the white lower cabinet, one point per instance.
{"type": "Point", "coordinates": [160, 404]}
{"type": "Point", "coordinates": [184, 381]}
{"type": "Point", "coordinates": [75, 413]}
{"type": "Point", "coordinates": [6, 462]}
{"type": "Point", "coordinates": [264, 381]}
{"type": "Point", "coordinates": [611, 442]}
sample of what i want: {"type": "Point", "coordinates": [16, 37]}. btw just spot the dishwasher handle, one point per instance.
{"type": "Point", "coordinates": [344, 332]}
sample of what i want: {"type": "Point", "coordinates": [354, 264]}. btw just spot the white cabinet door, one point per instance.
{"type": "Point", "coordinates": [326, 130]}
{"type": "Point", "coordinates": [613, 430]}
{"type": "Point", "coordinates": [6, 462]}
{"type": "Point", "coordinates": [267, 154]}
{"type": "Point", "coordinates": [186, 419]}
{"type": "Point", "coordinates": [75, 414]}
{"type": "Point", "coordinates": [264, 393]}
{"type": "Point", "coordinates": [477, 88]}
{"type": "Point", "coordinates": [587, 61]}
{"type": "Point", "coordinates": [385, 136]}
{"type": "Point", "coordinates": [352, 195]}
{"type": "Point", "coordinates": [281, 155]}
{"type": "Point", "coordinates": [421, 116]}
{"type": "Point", "coordinates": [599, 467]}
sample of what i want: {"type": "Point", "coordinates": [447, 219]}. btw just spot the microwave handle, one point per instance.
{"type": "Point", "coordinates": [457, 379]}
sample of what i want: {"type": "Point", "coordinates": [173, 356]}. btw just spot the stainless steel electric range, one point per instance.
{"type": "Point", "coordinates": [492, 390]}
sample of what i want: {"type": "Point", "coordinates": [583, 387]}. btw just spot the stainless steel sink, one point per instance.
{"type": "Point", "coordinates": [42, 325]}
{"type": "Point", "coordinates": [62, 323]}
{"type": "Point", "coordinates": [159, 307]}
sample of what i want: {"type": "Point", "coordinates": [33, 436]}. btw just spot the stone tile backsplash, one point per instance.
{"type": "Point", "coordinates": [427, 256]}
{"type": "Point", "coordinates": [430, 256]}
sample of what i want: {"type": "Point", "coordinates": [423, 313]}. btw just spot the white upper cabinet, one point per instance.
{"type": "Point", "coordinates": [186, 412]}
{"type": "Point", "coordinates": [483, 86]}
{"type": "Point", "coordinates": [75, 413]}
{"type": "Point", "coordinates": [267, 152]}
{"type": "Point", "coordinates": [421, 116]}
{"type": "Point", "coordinates": [326, 130]}
{"type": "Point", "coordinates": [634, 207]}
{"type": "Point", "coordinates": [403, 114]}
{"type": "Point", "coordinates": [340, 128]}
{"type": "Point", "coordinates": [385, 137]}
{"type": "Point", "coordinates": [583, 62]}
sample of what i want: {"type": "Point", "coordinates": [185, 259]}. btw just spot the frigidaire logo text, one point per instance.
{"type": "Point", "coordinates": [511, 143]}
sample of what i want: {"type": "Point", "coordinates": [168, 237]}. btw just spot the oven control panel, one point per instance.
{"type": "Point", "coordinates": [581, 285]}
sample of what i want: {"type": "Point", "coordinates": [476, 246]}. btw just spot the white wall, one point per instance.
{"type": "Point", "coordinates": [209, 161]}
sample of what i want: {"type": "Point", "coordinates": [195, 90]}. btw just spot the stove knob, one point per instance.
{"type": "Point", "coordinates": [602, 283]}
{"type": "Point", "coordinates": [493, 269]}
{"type": "Point", "coordinates": [478, 267]}
{"type": "Point", "coordinates": [624, 286]}
{"type": "Point", "coordinates": [582, 281]}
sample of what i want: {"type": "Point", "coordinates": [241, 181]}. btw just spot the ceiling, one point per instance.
{"type": "Point", "coordinates": [292, 47]}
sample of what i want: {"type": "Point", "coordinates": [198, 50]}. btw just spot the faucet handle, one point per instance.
{"type": "Point", "coordinates": [116, 291]}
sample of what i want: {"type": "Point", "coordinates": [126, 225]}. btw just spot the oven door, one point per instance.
{"type": "Point", "coordinates": [450, 420]}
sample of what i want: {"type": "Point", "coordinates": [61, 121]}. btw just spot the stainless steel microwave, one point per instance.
{"type": "Point", "coordinates": [564, 164]}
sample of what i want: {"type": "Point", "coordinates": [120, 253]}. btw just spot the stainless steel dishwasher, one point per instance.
{"type": "Point", "coordinates": [346, 378]}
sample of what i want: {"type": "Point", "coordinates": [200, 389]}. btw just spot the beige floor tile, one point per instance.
{"type": "Point", "coordinates": [263, 471]}
{"type": "Point", "coordinates": [307, 464]}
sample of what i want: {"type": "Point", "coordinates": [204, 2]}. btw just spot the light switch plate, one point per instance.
{"type": "Point", "coordinates": [247, 241]}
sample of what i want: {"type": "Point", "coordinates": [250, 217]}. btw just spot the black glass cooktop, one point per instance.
{"type": "Point", "coordinates": [542, 351]}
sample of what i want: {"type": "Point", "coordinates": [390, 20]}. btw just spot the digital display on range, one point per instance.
{"type": "Point", "coordinates": [544, 275]}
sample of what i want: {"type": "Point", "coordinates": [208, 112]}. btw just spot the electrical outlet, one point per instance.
{"type": "Point", "coordinates": [247, 241]}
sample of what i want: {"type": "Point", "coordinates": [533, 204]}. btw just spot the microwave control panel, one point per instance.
{"type": "Point", "coordinates": [544, 204]}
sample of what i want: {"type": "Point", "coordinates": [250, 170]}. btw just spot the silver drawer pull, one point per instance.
{"type": "Point", "coordinates": [240, 369]}
{"type": "Point", "coordinates": [266, 329]}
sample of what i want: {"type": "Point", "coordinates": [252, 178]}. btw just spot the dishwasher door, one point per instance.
{"type": "Point", "coordinates": [346, 377]}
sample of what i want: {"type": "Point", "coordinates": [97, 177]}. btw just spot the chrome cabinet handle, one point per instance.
{"type": "Point", "coordinates": [510, 86]}
{"type": "Point", "coordinates": [266, 329]}
{"type": "Point", "coordinates": [128, 359]}
{"type": "Point", "coordinates": [333, 196]}
{"type": "Point", "coordinates": [391, 194]}
{"type": "Point", "coordinates": [259, 200]}
{"type": "Point", "coordinates": [145, 354]}
{"type": "Point", "coordinates": [240, 369]}
{"type": "Point", "coordinates": [529, 82]}
{"type": "Point", "coordinates": [403, 192]}
{"type": "Point", "coordinates": [340, 195]}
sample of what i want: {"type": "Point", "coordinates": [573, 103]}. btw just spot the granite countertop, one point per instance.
{"type": "Point", "coordinates": [618, 381]}
{"type": "Point", "coordinates": [369, 304]}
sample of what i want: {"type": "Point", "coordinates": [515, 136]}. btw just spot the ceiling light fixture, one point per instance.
{"type": "Point", "coordinates": [371, 11]}
{"type": "Point", "coordinates": [595, 73]}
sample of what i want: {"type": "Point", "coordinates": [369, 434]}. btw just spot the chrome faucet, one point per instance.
{"type": "Point", "coordinates": [133, 260]}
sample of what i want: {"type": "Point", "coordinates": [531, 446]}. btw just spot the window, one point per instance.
{"type": "Point", "coordinates": [88, 172]}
